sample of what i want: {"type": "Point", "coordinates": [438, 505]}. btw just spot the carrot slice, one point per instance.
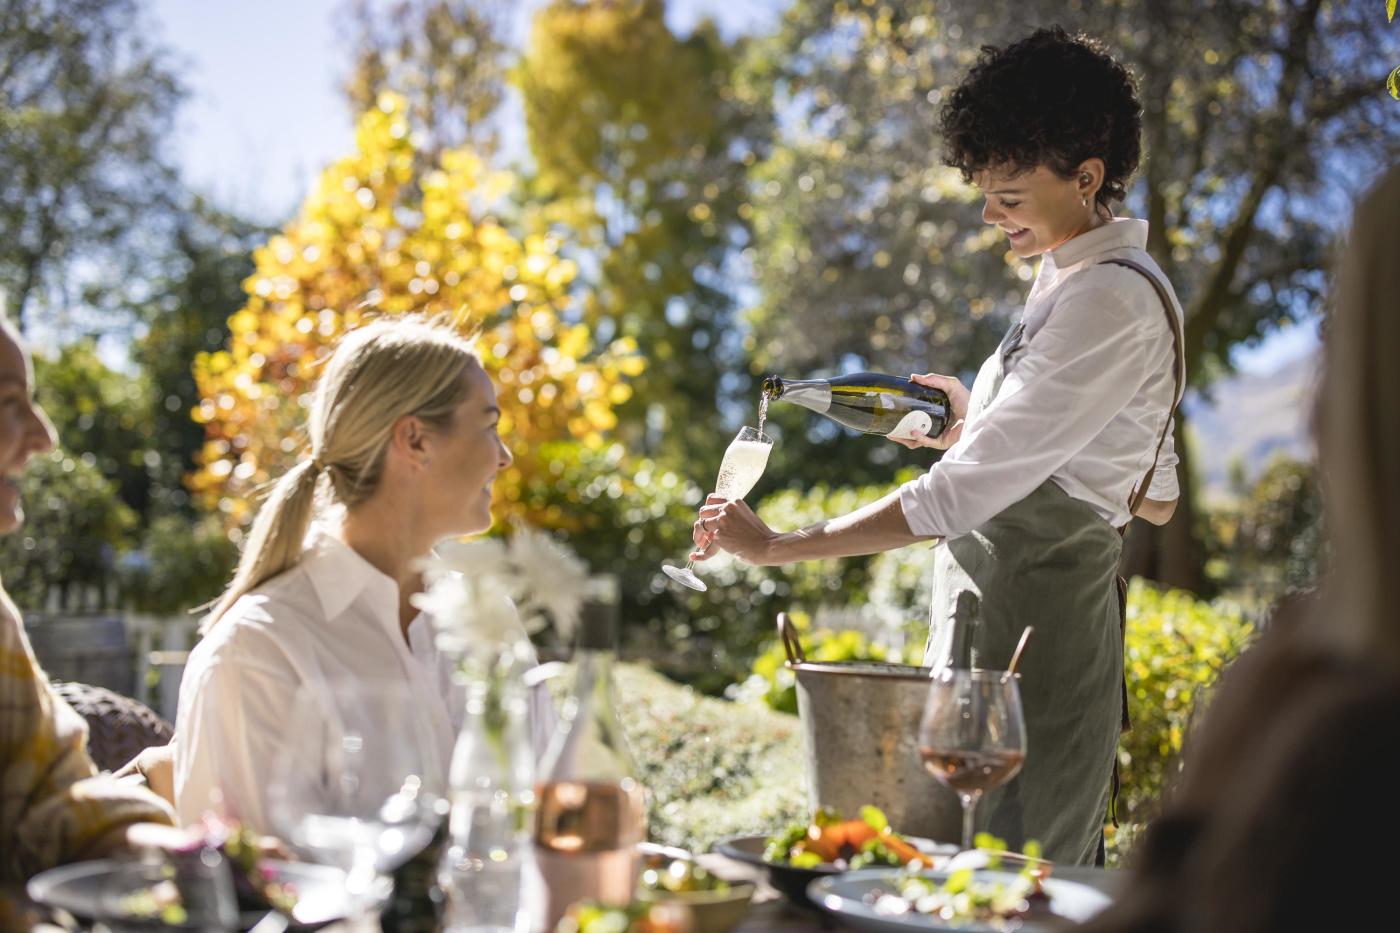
{"type": "Point", "coordinates": [858, 833]}
{"type": "Point", "coordinates": [904, 850]}
{"type": "Point", "coordinates": [822, 841]}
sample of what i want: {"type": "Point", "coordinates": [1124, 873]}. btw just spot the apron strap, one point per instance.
{"type": "Point", "coordinates": [1178, 371]}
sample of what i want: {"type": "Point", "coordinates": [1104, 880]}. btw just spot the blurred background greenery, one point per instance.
{"type": "Point", "coordinates": [682, 212]}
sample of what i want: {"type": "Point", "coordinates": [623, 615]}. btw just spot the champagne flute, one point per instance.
{"type": "Point", "coordinates": [972, 736]}
{"type": "Point", "coordinates": [740, 469]}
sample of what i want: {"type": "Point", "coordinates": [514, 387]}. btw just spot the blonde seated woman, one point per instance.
{"type": "Point", "coordinates": [404, 449]}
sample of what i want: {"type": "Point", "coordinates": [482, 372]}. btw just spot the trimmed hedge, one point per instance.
{"type": "Point", "coordinates": [712, 768]}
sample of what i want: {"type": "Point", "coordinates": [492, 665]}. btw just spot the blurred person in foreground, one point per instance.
{"type": "Point", "coordinates": [1284, 809]}
{"type": "Point", "coordinates": [403, 452]}
{"type": "Point", "coordinates": [54, 807]}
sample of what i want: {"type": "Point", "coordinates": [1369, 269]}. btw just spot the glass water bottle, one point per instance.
{"type": "Point", "coordinates": [590, 809]}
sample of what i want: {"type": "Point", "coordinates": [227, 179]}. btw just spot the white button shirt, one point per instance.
{"type": "Point", "coordinates": [331, 619]}
{"type": "Point", "coordinates": [1083, 401]}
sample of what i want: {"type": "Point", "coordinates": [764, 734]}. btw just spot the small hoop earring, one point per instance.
{"type": "Point", "coordinates": [1084, 200]}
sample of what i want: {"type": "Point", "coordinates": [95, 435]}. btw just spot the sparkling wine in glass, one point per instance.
{"type": "Point", "coordinates": [740, 469]}
{"type": "Point", "coordinates": [973, 735]}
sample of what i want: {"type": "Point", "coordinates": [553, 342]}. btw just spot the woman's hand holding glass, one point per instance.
{"type": "Point", "coordinates": [730, 524]}
{"type": "Point", "coordinates": [743, 464]}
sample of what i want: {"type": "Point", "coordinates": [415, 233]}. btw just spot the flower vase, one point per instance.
{"type": "Point", "coordinates": [487, 863]}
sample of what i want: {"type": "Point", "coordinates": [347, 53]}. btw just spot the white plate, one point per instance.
{"type": "Point", "coordinates": [321, 894]}
{"type": "Point", "coordinates": [844, 895]}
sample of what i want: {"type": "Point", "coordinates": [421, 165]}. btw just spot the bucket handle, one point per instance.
{"type": "Point", "coordinates": [792, 644]}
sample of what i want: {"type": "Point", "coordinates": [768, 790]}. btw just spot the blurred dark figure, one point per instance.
{"type": "Point", "coordinates": [1286, 810]}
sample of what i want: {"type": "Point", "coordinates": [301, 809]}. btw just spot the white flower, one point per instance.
{"type": "Point", "coordinates": [553, 580]}
{"type": "Point", "coordinates": [479, 593]}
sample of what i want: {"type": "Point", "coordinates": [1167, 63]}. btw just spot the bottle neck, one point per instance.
{"type": "Point", "coordinates": [813, 394]}
{"type": "Point", "coordinates": [589, 743]}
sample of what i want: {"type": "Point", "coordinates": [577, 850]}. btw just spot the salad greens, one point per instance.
{"type": "Point", "coordinates": [965, 897]}
{"type": "Point", "coordinates": [845, 844]}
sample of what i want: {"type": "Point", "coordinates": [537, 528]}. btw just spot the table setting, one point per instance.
{"type": "Point", "coordinates": [343, 854]}
{"type": "Point", "coordinates": [376, 828]}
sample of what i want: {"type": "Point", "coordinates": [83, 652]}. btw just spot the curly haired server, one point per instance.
{"type": "Point", "coordinates": [1063, 437]}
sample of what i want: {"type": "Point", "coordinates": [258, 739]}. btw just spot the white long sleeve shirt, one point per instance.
{"type": "Point", "coordinates": [1083, 401]}
{"type": "Point", "coordinates": [333, 619]}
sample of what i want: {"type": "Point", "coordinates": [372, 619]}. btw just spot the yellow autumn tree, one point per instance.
{"type": "Point", "coordinates": [386, 231]}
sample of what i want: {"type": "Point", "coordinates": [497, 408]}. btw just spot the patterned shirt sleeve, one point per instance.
{"type": "Point", "coordinates": [54, 807]}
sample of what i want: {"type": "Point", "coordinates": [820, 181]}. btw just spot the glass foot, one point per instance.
{"type": "Point", "coordinates": [684, 576]}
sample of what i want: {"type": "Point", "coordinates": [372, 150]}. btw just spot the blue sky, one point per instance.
{"type": "Point", "coordinates": [265, 113]}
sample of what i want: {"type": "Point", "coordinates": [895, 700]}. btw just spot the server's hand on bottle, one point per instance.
{"type": "Point", "coordinates": [957, 403]}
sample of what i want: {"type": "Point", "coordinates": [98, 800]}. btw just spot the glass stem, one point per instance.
{"type": "Point", "coordinates": [362, 870]}
{"type": "Point", "coordinates": [969, 805]}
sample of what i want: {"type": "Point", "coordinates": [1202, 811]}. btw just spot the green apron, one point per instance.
{"type": "Point", "coordinates": [1049, 561]}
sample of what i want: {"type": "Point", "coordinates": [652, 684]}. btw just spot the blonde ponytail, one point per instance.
{"type": "Point", "coordinates": [378, 373]}
{"type": "Point", "coordinates": [275, 541]}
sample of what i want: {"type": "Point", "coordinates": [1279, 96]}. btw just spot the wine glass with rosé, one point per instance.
{"type": "Point", "coordinates": [972, 736]}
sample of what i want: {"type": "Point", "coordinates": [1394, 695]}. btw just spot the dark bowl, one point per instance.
{"type": "Point", "coordinates": [788, 879]}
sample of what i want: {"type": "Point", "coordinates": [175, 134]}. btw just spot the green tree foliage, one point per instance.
{"type": "Point", "coordinates": [76, 527]}
{"type": "Point", "coordinates": [200, 286]}
{"type": "Point", "coordinates": [641, 142]}
{"type": "Point", "coordinates": [182, 563]}
{"type": "Point", "coordinates": [100, 415]}
{"type": "Point", "coordinates": [446, 58]}
{"type": "Point", "coordinates": [867, 249]}
{"type": "Point", "coordinates": [85, 103]}
{"type": "Point", "coordinates": [1176, 650]}
{"type": "Point", "coordinates": [1272, 542]}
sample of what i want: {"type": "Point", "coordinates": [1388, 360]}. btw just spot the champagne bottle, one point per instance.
{"type": "Point", "coordinates": [869, 402]}
{"type": "Point", "coordinates": [590, 809]}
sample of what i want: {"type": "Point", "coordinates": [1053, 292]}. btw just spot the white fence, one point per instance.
{"type": "Point", "coordinates": [136, 655]}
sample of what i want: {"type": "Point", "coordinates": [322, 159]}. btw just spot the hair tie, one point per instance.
{"type": "Point", "coordinates": [318, 465]}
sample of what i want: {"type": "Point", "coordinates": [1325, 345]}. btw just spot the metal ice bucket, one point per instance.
{"type": "Point", "coordinates": [860, 730]}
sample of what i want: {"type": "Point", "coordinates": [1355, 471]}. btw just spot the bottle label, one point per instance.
{"type": "Point", "coordinates": [912, 425]}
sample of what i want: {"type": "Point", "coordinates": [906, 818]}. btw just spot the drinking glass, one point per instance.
{"type": "Point", "coordinates": [740, 469]}
{"type": "Point", "coordinates": [357, 780]}
{"type": "Point", "coordinates": [972, 736]}
{"type": "Point", "coordinates": [193, 890]}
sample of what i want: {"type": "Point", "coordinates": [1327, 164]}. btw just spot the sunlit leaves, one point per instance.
{"type": "Point", "coordinates": [1177, 646]}
{"type": "Point", "coordinates": [640, 143]}
{"type": "Point", "coordinates": [378, 235]}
